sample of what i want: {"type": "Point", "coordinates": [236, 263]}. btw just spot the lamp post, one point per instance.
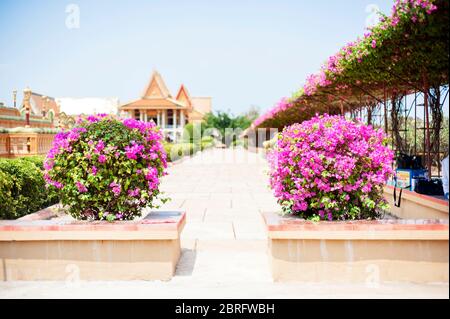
{"type": "Point", "coordinates": [15, 98]}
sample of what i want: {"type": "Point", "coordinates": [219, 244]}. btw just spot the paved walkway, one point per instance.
{"type": "Point", "coordinates": [223, 243]}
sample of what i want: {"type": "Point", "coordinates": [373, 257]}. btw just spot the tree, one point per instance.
{"type": "Point", "coordinates": [253, 113]}
{"type": "Point", "coordinates": [229, 126]}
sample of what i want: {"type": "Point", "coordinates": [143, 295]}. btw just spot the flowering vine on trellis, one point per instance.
{"type": "Point", "coordinates": [398, 52]}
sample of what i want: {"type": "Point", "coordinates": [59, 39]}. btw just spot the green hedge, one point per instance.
{"type": "Point", "coordinates": [205, 145]}
{"type": "Point", "coordinates": [36, 160]}
{"type": "Point", "coordinates": [22, 187]}
{"type": "Point", "coordinates": [177, 151]}
{"type": "Point", "coordinates": [207, 142]}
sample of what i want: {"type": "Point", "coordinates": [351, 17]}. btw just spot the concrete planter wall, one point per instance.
{"type": "Point", "coordinates": [357, 252]}
{"type": "Point", "coordinates": [37, 249]}
{"type": "Point", "coordinates": [416, 206]}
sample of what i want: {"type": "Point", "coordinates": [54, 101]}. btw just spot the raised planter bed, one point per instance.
{"type": "Point", "coordinates": [358, 251]}
{"type": "Point", "coordinates": [416, 206]}
{"type": "Point", "coordinates": [40, 248]}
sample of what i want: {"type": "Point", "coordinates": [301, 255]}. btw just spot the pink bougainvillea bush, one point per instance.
{"type": "Point", "coordinates": [105, 168]}
{"type": "Point", "coordinates": [330, 168]}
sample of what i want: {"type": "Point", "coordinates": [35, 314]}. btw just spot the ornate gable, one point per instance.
{"type": "Point", "coordinates": [156, 89]}
{"type": "Point", "coordinates": [183, 97]}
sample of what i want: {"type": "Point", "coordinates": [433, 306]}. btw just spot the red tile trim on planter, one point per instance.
{"type": "Point", "coordinates": [155, 221]}
{"type": "Point", "coordinates": [275, 222]}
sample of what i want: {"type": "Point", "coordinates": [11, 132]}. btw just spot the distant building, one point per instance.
{"type": "Point", "coordinates": [169, 113]}
{"type": "Point", "coordinates": [42, 111]}
{"type": "Point", "coordinates": [48, 112]}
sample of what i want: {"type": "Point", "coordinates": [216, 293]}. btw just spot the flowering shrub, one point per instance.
{"type": "Point", "coordinates": [330, 168]}
{"type": "Point", "coordinates": [106, 168]}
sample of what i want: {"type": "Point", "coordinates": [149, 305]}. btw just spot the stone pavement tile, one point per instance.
{"type": "Point", "coordinates": [239, 180]}
{"type": "Point", "coordinates": [236, 211]}
{"type": "Point", "coordinates": [258, 194]}
{"type": "Point", "coordinates": [232, 261]}
{"type": "Point", "coordinates": [243, 205]}
{"type": "Point", "coordinates": [184, 196]}
{"type": "Point", "coordinates": [181, 188]}
{"type": "Point", "coordinates": [249, 229]}
{"type": "Point", "coordinates": [266, 196]}
{"type": "Point", "coordinates": [270, 209]}
{"type": "Point", "coordinates": [243, 196]}
{"type": "Point", "coordinates": [241, 190]}
{"type": "Point", "coordinates": [173, 204]}
{"type": "Point", "coordinates": [212, 204]}
{"type": "Point", "coordinates": [221, 189]}
{"type": "Point", "coordinates": [230, 215]}
{"type": "Point", "coordinates": [197, 212]}
{"type": "Point", "coordinates": [261, 190]}
{"type": "Point", "coordinates": [194, 204]}
{"type": "Point", "coordinates": [202, 188]}
{"type": "Point", "coordinates": [218, 204]}
{"type": "Point", "coordinates": [268, 205]}
{"type": "Point", "coordinates": [221, 196]}
{"type": "Point", "coordinates": [208, 230]}
{"type": "Point", "coordinates": [261, 186]}
{"type": "Point", "coordinates": [195, 215]}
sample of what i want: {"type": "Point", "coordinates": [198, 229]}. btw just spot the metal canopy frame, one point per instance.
{"type": "Point", "coordinates": [418, 113]}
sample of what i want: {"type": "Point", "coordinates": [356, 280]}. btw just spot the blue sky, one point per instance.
{"type": "Point", "coordinates": [241, 53]}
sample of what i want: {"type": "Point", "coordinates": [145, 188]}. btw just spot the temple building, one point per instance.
{"type": "Point", "coordinates": [170, 113]}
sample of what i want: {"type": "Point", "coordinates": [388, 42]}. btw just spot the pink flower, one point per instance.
{"type": "Point", "coordinates": [102, 159]}
{"type": "Point", "coordinates": [330, 216]}
{"type": "Point", "coordinates": [134, 193]}
{"type": "Point", "coordinates": [81, 188]}
{"type": "Point", "coordinates": [152, 178]}
{"type": "Point", "coordinates": [395, 21]}
{"type": "Point", "coordinates": [93, 119]}
{"type": "Point", "coordinates": [48, 164]}
{"type": "Point", "coordinates": [133, 151]}
{"type": "Point", "coordinates": [100, 146]}
{"type": "Point", "coordinates": [116, 188]}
